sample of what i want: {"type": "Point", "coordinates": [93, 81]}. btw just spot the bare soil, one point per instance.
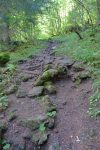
{"type": "Point", "coordinates": [74, 128]}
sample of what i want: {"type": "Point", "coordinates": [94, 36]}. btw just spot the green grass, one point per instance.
{"type": "Point", "coordinates": [26, 50]}
{"type": "Point", "coordinates": [83, 50]}
{"type": "Point", "coordinates": [88, 51]}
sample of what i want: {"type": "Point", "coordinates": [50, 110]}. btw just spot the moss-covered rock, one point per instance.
{"type": "Point", "coordinates": [47, 104]}
{"type": "Point", "coordinates": [61, 69]}
{"type": "Point", "coordinates": [81, 76]}
{"type": "Point", "coordinates": [50, 89]}
{"type": "Point", "coordinates": [49, 74]}
{"type": "Point", "coordinates": [46, 76]}
{"type": "Point", "coordinates": [36, 91]}
{"type": "Point", "coordinates": [33, 122]}
{"type": "Point", "coordinates": [84, 75]}
{"type": "Point", "coordinates": [39, 138]}
{"type": "Point", "coordinates": [78, 66]}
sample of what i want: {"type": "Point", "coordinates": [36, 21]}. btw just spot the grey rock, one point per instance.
{"type": "Point", "coordinates": [21, 94]}
{"type": "Point", "coordinates": [36, 91]}
{"type": "Point", "coordinates": [64, 61]}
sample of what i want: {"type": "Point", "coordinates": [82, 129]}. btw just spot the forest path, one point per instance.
{"type": "Point", "coordinates": [74, 129]}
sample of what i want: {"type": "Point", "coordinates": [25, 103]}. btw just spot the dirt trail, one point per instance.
{"type": "Point", "coordinates": [74, 129]}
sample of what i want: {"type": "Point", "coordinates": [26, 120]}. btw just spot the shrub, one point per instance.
{"type": "Point", "coordinates": [4, 59]}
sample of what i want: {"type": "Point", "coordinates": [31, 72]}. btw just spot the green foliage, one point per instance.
{"type": "Point", "coordinates": [11, 67]}
{"type": "Point", "coordinates": [42, 127]}
{"type": "Point", "coordinates": [3, 102]}
{"type": "Point", "coordinates": [51, 114]}
{"type": "Point", "coordinates": [5, 145]}
{"type": "Point", "coordinates": [82, 50]}
{"type": "Point", "coordinates": [4, 59]}
{"type": "Point", "coordinates": [95, 98]}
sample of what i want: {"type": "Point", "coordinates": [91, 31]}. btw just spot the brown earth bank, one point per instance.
{"type": "Point", "coordinates": [48, 105]}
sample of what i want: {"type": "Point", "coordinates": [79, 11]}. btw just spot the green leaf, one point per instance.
{"type": "Point", "coordinates": [42, 127]}
{"type": "Point", "coordinates": [6, 147]}
{"type": "Point", "coordinates": [51, 114]}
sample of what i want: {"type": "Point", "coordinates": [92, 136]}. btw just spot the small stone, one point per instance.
{"type": "Point", "coordinates": [21, 94]}
{"type": "Point", "coordinates": [56, 131]}
{"type": "Point", "coordinates": [64, 103]}
{"type": "Point", "coordinates": [51, 123]}
{"type": "Point", "coordinates": [27, 134]}
{"type": "Point", "coordinates": [36, 91]}
{"type": "Point", "coordinates": [92, 132]}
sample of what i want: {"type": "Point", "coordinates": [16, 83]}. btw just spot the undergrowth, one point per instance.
{"type": "Point", "coordinates": [24, 51]}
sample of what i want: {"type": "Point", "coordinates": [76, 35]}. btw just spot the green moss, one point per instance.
{"type": "Point", "coordinates": [46, 76]}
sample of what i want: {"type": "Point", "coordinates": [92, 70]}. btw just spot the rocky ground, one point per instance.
{"type": "Point", "coordinates": [48, 104]}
